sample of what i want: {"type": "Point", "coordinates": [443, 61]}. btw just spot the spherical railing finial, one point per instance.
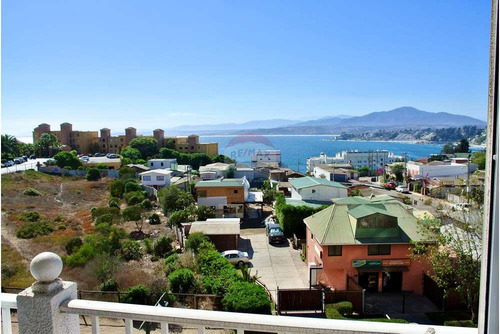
{"type": "Point", "coordinates": [46, 267]}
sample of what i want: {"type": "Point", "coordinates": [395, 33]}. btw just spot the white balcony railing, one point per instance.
{"type": "Point", "coordinates": [68, 309]}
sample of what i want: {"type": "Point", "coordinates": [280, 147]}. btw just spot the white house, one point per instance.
{"type": "Point", "coordinates": [334, 172]}
{"type": "Point", "coordinates": [438, 169]}
{"type": "Point", "coordinates": [157, 178]}
{"type": "Point", "coordinates": [316, 189]}
{"type": "Point", "coordinates": [269, 156]}
{"type": "Point", "coordinates": [162, 164]}
{"type": "Point", "coordinates": [214, 171]}
{"type": "Point", "coordinates": [371, 159]}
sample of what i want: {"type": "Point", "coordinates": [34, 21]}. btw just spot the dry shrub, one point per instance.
{"type": "Point", "coordinates": [186, 260]}
{"type": "Point", "coordinates": [131, 274]}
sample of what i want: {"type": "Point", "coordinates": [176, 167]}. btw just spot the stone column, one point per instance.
{"type": "Point", "coordinates": [38, 305]}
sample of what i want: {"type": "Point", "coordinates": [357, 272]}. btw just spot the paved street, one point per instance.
{"type": "Point", "coordinates": [30, 164]}
{"type": "Point", "coordinates": [277, 265]}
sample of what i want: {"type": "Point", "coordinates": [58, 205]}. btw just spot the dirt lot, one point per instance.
{"type": "Point", "coordinates": [70, 198]}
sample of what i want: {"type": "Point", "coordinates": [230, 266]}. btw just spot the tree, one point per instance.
{"type": "Point", "coordinates": [181, 280]}
{"type": "Point", "coordinates": [93, 174]}
{"type": "Point", "coordinates": [10, 148]}
{"type": "Point", "coordinates": [178, 217]}
{"type": "Point", "coordinates": [355, 192]}
{"type": "Point", "coordinates": [131, 153]}
{"type": "Point", "coordinates": [162, 246]}
{"type": "Point", "coordinates": [64, 159]}
{"type": "Point", "coordinates": [479, 158]}
{"type": "Point", "coordinates": [134, 213]}
{"type": "Point", "coordinates": [117, 188]}
{"type": "Point", "coordinates": [231, 172]}
{"type": "Point", "coordinates": [146, 146]}
{"type": "Point", "coordinates": [462, 147]}
{"type": "Point", "coordinates": [246, 297]}
{"type": "Point", "coordinates": [126, 173]}
{"type": "Point", "coordinates": [173, 199]}
{"type": "Point", "coordinates": [194, 240]}
{"type": "Point", "coordinates": [203, 212]}
{"type": "Point", "coordinates": [455, 257]}
{"type": "Point", "coordinates": [131, 250]}
{"type": "Point", "coordinates": [364, 171]}
{"type": "Point", "coordinates": [448, 149]}
{"type": "Point", "coordinates": [398, 170]}
{"type": "Point", "coordinates": [47, 143]}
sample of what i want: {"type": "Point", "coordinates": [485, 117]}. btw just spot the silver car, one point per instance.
{"type": "Point", "coordinates": [236, 257]}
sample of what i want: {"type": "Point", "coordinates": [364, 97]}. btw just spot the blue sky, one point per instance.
{"type": "Point", "coordinates": [154, 64]}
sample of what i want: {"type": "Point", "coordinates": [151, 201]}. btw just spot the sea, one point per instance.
{"type": "Point", "coordinates": [296, 149]}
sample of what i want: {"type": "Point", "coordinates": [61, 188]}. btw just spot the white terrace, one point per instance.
{"type": "Point", "coordinates": [51, 306]}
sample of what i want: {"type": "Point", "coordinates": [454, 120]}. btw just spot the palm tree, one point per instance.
{"type": "Point", "coordinates": [10, 148]}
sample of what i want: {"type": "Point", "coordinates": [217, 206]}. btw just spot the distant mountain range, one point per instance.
{"type": "Point", "coordinates": [400, 118]}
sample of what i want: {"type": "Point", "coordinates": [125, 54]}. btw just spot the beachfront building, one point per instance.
{"type": "Point", "coordinates": [191, 144]}
{"type": "Point", "coordinates": [368, 239]}
{"type": "Point", "coordinates": [439, 169]}
{"type": "Point", "coordinates": [262, 157]}
{"type": "Point", "coordinates": [371, 159]}
{"type": "Point", "coordinates": [334, 172]}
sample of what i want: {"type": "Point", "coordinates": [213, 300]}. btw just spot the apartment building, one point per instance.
{"type": "Point", "coordinates": [371, 159]}
{"type": "Point", "coordinates": [86, 142]}
{"type": "Point", "coordinates": [191, 144]}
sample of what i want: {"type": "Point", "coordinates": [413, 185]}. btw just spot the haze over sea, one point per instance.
{"type": "Point", "coordinates": [296, 149]}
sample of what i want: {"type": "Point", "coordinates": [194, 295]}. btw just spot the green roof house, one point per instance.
{"type": "Point", "coordinates": [368, 239]}
{"type": "Point", "coordinates": [316, 189]}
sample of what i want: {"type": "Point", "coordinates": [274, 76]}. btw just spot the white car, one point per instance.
{"type": "Point", "coordinates": [462, 207]}
{"type": "Point", "coordinates": [236, 257]}
{"type": "Point", "coordinates": [402, 189]}
{"type": "Point", "coordinates": [85, 158]}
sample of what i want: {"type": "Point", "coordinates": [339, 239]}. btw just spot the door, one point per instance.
{"type": "Point", "coordinates": [392, 281]}
{"type": "Point", "coordinates": [369, 281]}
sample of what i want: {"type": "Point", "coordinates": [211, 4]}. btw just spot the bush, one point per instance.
{"type": "Point", "coordinates": [291, 218]}
{"type": "Point", "coordinates": [33, 229]}
{"type": "Point", "coordinates": [194, 240]}
{"type": "Point", "coordinates": [246, 297]}
{"type": "Point", "coordinates": [154, 219]}
{"type": "Point", "coordinates": [173, 199]}
{"type": "Point", "coordinates": [102, 166]}
{"type": "Point", "coordinates": [73, 245]}
{"type": "Point", "coordinates": [97, 212]}
{"type": "Point", "coordinates": [67, 159]}
{"type": "Point", "coordinates": [460, 323]}
{"type": "Point", "coordinates": [162, 246]}
{"type": "Point", "coordinates": [344, 308]}
{"type": "Point", "coordinates": [93, 174]}
{"type": "Point", "coordinates": [114, 204]}
{"type": "Point", "coordinates": [109, 285]}
{"type": "Point", "coordinates": [393, 320]}
{"type": "Point", "coordinates": [31, 192]}
{"type": "Point", "coordinates": [332, 313]}
{"type": "Point", "coordinates": [416, 188]}
{"type": "Point", "coordinates": [146, 204]}
{"type": "Point", "coordinates": [131, 250]}
{"type": "Point", "coordinates": [181, 280]}
{"type": "Point", "coordinates": [171, 263]}
{"type": "Point", "coordinates": [106, 218]}
{"type": "Point", "coordinates": [178, 217]}
{"type": "Point", "coordinates": [59, 219]}
{"type": "Point", "coordinates": [29, 216]}
{"type": "Point", "coordinates": [148, 245]}
{"type": "Point", "coordinates": [133, 213]}
{"type": "Point", "coordinates": [126, 173]}
{"type": "Point", "coordinates": [117, 188]}
{"type": "Point", "coordinates": [132, 185]}
{"type": "Point", "coordinates": [138, 294]}
{"type": "Point", "coordinates": [135, 197]}
{"type": "Point", "coordinates": [203, 212]}
{"type": "Point", "coordinates": [428, 201]}
{"type": "Point", "coordinates": [67, 167]}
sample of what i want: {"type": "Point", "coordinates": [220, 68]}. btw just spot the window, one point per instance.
{"type": "Point", "coordinates": [313, 191]}
{"type": "Point", "coordinates": [146, 178]}
{"type": "Point", "coordinates": [334, 250]}
{"type": "Point", "coordinates": [160, 178]}
{"type": "Point", "coordinates": [379, 249]}
{"type": "Point", "coordinates": [235, 191]}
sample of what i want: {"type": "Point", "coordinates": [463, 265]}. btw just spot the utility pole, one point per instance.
{"type": "Point", "coordinates": [468, 179]}
{"type": "Point", "coordinates": [404, 168]}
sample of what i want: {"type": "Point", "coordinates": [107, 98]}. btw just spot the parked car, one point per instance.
{"type": "Point", "coordinates": [112, 156]}
{"type": "Point", "coordinates": [84, 158]}
{"type": "Point", "coordinates": [402, 189]}
{"type": "Point", "coordinates": [9, 163]}
{"type": "Point", "coordinates": [390, 185]}
{"type": "Point", "coordinates": [462, 207]}
{"type": "Point", "coordinates": [18, 161]}
{"type": "Point", "coordinates": [275, 233]}
{"type": "Point", "coordinates": [32, 156]}
{"type": "Point", "coordinates": [236, 257]}
{"type": "Point", "coordinates": [25, 158]}
{"type": "Point", "coordinates": [99, 155]}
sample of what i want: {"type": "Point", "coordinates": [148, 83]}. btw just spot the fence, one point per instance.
{"type": "Point", "coordinates": [73, 172]}
{"type": "Point", "coordinates": [299, 300]}
{"type": "Point", "coordinates": [181, 300]}
{"type": "Point", "coordinates": [19, 168]}
{"type": "Point", "coordinates": [452, 301]}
